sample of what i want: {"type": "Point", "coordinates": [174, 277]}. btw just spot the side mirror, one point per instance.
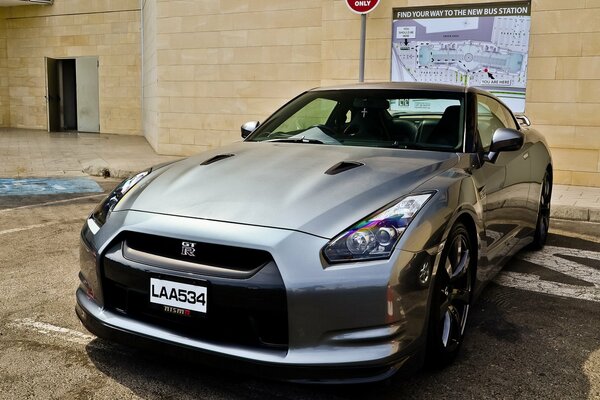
{"type": "Point", "coordinates": [523, 120]}
{"type": "Point", "coordinates": [249, 127]}
{"type": "Point", "coordinates": [505, 139]}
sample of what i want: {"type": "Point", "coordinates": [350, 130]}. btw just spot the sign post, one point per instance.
{"type": "Point", "coordinates": [362, 7]}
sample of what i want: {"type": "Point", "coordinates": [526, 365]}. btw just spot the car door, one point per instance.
{"type": "Point", "coordinates": [503, 184]}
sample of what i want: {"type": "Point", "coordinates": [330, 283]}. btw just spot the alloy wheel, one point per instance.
{"type": "Point", "coordinates": [453, 291]}
{"type": "Point", "coordinates": [543, 220]}
{"type": "Point", "coordinates": [545, 207]}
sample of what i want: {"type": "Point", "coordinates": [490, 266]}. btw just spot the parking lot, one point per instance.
{"type": "Point", "coordinates": [534, 333]}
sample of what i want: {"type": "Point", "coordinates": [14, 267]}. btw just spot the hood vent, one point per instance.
{"type": "Point", "coordinates": [216, 158]}
{"type": "Point", "coordinates": [343, 166]}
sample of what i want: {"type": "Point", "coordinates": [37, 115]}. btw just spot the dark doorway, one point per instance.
{"type": "Point", "coordinates": [73, 94]}
{"type": "Point", "coordinates": [68, 94]}
{"type": "Point", "coordinates": [62, 94]}
{"type": "Point", "coordinates": [53, 95]}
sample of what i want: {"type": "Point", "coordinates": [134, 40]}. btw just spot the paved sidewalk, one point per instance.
{"type": "Point", "coordinates": [578, 203]}
{"type": "Point", "coordinates": [31, 153]}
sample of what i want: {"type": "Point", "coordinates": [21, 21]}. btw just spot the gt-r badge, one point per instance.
{"type": "Point", "coordinates": [188, 249]}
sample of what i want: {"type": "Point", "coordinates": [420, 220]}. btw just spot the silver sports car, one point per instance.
{"type": "Point", "coordinates": [343, 238]}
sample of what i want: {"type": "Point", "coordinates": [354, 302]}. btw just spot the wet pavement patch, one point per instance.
{"type": "Point", "coordinates": [47, 186]}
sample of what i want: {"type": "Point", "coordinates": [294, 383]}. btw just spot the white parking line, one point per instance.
{"type": "Point", "coordinates": [26, 228]}
{"type": "Point", "coordinates": [52, 330]}
{"type": "Point", "coordinates": [552, 257]}
{"type": "Point", "coordinates": [533, 283]}
{"type": "Point", "coordinates": [64, 334]}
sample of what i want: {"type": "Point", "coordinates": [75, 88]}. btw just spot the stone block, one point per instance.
{"type": "Point", "coordinates": [578, 67]}
{"type": "Point", "coordinates": [562, 177]}
{"type": "Point", "coordinates": [565, 21]}
{"type": "Point", "coordinates": [576, 114]}
{"type": "Point", "coordinates": [591, 43]}
{"type": "Point", "coordinates": [548, 45]}
{"type": "Point", "coordinates": [552, 91]}
{"type": "Point", "coordinates": [542, 68]}
{"type": "Point", "coordinates": [575, 159]}
{"type": "Point", "coordinates": [588, 91]}
{"type": "Point", "coordinates": [569, 212]}
{"type": "Point", "coordinates": [541, 5]}
{"type": "Point", "coordinates": [594, 214]}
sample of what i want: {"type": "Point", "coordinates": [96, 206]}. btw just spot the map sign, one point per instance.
{"type": "Point", "coordinates": [482, 45]}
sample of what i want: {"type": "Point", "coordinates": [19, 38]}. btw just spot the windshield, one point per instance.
{"type": "Point", "coordinates": [374, 118]}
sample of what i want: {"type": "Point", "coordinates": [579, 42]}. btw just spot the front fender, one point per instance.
{"type": "Point", "coordinates": [456, 195]}
{"type": "Point", "coordinates": [456, 198]}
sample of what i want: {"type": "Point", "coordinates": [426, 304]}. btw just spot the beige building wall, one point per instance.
{"type": "Point", "coordinates": [563, 91]}
{"type": "Point", "coordinates": [68, 29]}
{"type": "Point", "coordinates": [341, 42]}
{"type": "Point", "coordinates": [221, 63]}
{"type": "Point", "coordinates": [150, 104]}
{"type": "Point", "coordinates": [4, 100]}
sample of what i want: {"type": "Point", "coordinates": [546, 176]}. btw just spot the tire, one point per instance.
{"type": "Point", "coordinates": [543, 218]}
{"type": "Point", "coordinates": [452, 296]}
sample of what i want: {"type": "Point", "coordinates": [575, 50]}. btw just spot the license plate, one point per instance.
{"type": "Point", "coordinates": [176, 294]}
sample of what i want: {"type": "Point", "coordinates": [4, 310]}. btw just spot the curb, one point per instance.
{"type": "Point", "coordinates": [107, 172]}
{"type": "Point", "coordinates": [573, 213]}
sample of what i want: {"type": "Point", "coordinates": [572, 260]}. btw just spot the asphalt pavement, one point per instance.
{"type": "Point", "coordinates": [533, 334]}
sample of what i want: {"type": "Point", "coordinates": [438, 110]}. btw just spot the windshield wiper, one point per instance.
{"type": "Point", "coordinates": [296, 140]}
{"type": "Point", "coordinates": [419, 146]}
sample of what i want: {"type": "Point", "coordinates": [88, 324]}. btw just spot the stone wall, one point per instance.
{"type": "Point", "coordinates": [563, 91]}
{"type": "Point", "coordinates": [221, 63]}
{"type": "Point", "coordinates": [69, 29]}
{"type": "Point", "coordinates": [150, 104]}
{"type": "Point", "coordinates": [4, 99]}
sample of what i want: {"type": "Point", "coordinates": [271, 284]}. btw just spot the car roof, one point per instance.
{"type": "Point", "coordinates": [399, 86]}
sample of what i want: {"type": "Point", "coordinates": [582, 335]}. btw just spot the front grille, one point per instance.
{"type": "Point", "coordinates": [250, 312]}
{"type": "Point", "coordinates": [214, 255]}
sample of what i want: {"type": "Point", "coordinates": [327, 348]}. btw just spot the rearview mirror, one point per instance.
{"type": "Point", "coordinates": [505, 139]}
{"type": "Point", "coordinates": [249, 127]}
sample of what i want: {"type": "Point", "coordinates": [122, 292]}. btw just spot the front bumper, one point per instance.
{"type": "Point", "coordinates": [273, 366]}
{"type": "Point", "coordinates": [349, 322]}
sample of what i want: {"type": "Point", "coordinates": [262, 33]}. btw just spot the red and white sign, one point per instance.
{"type": "Point", "coordinates": [362, 6]}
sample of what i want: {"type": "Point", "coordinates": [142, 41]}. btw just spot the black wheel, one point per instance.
{"type": "Point", "coordinates": [453, 291]}
{"type": "Point", "coordinates": [543, 219]}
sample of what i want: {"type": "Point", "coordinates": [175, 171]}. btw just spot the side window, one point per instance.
{"type": "Point", "coordinates": [491, 115]}
{"type": "Point", "coordinates": [314, 113]}
{"type": "Point", "coordinates": [510, 121]}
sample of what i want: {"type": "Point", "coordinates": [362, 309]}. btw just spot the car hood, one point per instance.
{"type": "Point", "coordinates": [285, 185]}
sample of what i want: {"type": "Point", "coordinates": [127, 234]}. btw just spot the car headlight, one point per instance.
{"type": "Point", "coordinates": [376, 236]}
{"type": "Point", "coordinates": [103, 210]}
